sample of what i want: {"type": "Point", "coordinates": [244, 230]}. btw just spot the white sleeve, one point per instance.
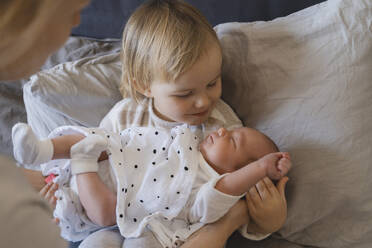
{"type": "Point", "coordinates": [110, 120]}
{"type": "Point", "coordinates": [118, 117]}
{"type": "Point", "coordinates": [211, 204]}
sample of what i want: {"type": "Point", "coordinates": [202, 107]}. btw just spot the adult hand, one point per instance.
{"type": "Point", "coordinates": [48, 191]}
{"type": "Point", "coordinates": [267, 206]}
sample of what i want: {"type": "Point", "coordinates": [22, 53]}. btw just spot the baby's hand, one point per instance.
{"type": "Point", "coordinates": [277, 164]}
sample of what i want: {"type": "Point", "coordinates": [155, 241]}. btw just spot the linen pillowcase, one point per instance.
{"type": "Point", "coordinates": [73, 93]}
{"type": "Point", "coordinates": [305, 80]}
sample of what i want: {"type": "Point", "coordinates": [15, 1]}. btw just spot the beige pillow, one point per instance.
{"type": "Point", "coordinates": [306, 81]}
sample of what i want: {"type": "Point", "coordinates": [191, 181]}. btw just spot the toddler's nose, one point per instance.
{"type": "Point", "coordinates": [222, 131]}
{"type": "Point", "coordinates": [202, 101]}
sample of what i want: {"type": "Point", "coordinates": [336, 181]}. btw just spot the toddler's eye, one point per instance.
{"type": "Point", "coordinates": [184, 95]}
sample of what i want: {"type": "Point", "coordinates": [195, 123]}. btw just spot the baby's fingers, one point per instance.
{"type": "Point", "coordinates": [284, 166]}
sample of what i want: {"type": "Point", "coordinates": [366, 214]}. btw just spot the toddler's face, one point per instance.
{"type": "Point", "coordinates": [225, 150]}
{"type": "Point", "coordinates": [193, 95]}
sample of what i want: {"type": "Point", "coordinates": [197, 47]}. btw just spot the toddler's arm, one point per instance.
{"type": "Point", "coordinates": [62, 146]}
{"type": "Point", "coordinates": [97, 199]}
{"type": "Point", "coordinates": [273, 165]}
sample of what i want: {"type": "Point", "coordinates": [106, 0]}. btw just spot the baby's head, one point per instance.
{"type": "Point", "coordinates": [171, 53]}
{"type": "Point", "coordinates": [227, 151]}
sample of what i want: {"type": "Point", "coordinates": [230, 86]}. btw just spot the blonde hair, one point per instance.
{"type": "Point", "coordinates": [162, 39]}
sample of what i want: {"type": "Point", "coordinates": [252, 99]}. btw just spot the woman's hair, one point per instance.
{"type": "Point", "coordinates": [161, 40]}
{"type": "Point", "coordinates": [16, 16]}
{"type": "Point", "coordinates": [20, 21]}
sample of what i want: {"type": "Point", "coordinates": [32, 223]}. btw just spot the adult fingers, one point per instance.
{"type": "Point", "coordinates": [281, 186]}
{"type": "Point", "coordinates": [254, 195]}
{"type": "Point", "coordinates": [50, 194]}
{"type": "Point", "coordinates": [250, 203]}
{"type": "Point", "coordinates": [262, 189]}
{"type": "Point", "coordinates": [45, 189]}
{"type": "Point", "coordinates": [270, 186]}
{"type": "Point", "coordinates": [53, 201]}
{"type": "Point", "coordinates": [56, 220]}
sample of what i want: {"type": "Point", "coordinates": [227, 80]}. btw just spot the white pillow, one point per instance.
{"type": "Point", "coordinates": [73, 93]}
{"type": "Point", "coordinates": [306, 81]}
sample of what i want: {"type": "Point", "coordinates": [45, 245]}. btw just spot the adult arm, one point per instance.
{"type": "Point", "coordinates": [34, 178]}
{"type": "Point", "coordinates": [215, 235]}
{"type": "Point", "coordinates": [24, 216]}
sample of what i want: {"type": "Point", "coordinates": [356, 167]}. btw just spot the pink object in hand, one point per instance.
{"type": "Point", "coordinates": [50, 178]}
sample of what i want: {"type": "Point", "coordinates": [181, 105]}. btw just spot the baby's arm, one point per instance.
{"type": "Point", "coordinates": [273, 165]}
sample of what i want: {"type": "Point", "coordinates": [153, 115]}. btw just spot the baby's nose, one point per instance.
{"type": "Point", "coordinates": [221, 132]}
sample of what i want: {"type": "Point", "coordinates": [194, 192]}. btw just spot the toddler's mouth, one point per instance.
{"type": "Point", "coordinates": [200, 114]}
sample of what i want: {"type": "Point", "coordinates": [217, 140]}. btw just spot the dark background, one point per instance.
{"type": "Point", "coordinates": [106, 18]}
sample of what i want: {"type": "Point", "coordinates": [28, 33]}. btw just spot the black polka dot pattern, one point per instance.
{"type": "Point", "coordinates": [152, 151]}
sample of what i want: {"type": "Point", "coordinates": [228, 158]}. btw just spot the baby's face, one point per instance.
{"type": "Point", "coordinates": [225, 150]}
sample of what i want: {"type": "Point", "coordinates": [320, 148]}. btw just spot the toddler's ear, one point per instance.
{"type": "Point", "coordinates": [141, 89]}
{"type": "Point", "coordinates": [147, 93]}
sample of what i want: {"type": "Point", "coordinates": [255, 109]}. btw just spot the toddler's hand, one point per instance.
{"type": "Point", "coordinates": [277, 164]}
